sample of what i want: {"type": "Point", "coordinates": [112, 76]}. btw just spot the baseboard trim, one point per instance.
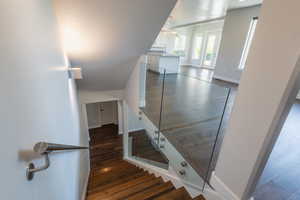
{"type": "Point", "coordinates": [135, 129]}
{"type": "Point", "coordinates": [95, 126]}
{"type": "Point", "coordinates": [222, 78]}
{"type": "Point", "coordinates": [142, 103]}
{"type": "Point", "coordinates": [221, 188]}
{"type": "Point", "coordinates": [86, 182]}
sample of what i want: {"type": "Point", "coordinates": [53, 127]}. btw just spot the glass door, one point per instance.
{"type": "Point", "coordinates": [211, 49]}
{"type": "Point", "coordinates": [205, 49]}
{"type": "Point", "coordinates": [197, 49]}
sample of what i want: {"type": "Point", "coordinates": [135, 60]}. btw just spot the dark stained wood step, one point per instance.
{"type": "Point", "coordinates": [131, 191]}
{"type": "Point", "coordinates": [112, 178]}
{"type": "Point", "coordinates": [112, 168]}
{"type": "Point", "coordinates": [200, 197]}
{"type": "Point", "coordinates": [179, 194]}
{"type": "Point", "coordinates": [121, 187]}
{"type": "Point", "coordinates": [152, 192]}
{"type": "Point", "coordinates": [117, 182]}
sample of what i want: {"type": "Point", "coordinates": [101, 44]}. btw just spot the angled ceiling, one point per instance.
{"type": "Point", "coordinates": [234, 4]}
{"type": "Point", "coordinates": [193, 11]}
{"type": "Point", "coordinates": [106, 37]}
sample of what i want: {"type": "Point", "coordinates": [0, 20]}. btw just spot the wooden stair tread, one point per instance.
{"type": "Point", "coordinates": [131, 191]}
{"type": "Point", "coordinates": [200, 197]}
{"type": "Point", "coordinates": [112, 178]}
{"type": "Point", "coordinates": [179, 194]}
{"type": "Point", "coordinates": [116, 182]}
{"type": "Point", "coordinates": [121, 187]}
{"type": "Point", "coordinates": [111, 168]}
{"type": "Point", "coordinates": [152, 192]}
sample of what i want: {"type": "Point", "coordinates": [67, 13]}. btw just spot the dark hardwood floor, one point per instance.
{"type": "Point", "coordinates": [281, 177]}
{"type": "Point", "coordinates": [192, 108]}
{"type": "Point", "coordinates": [112, 178]}
{"type": "Point", "coordinates": [143, 148]}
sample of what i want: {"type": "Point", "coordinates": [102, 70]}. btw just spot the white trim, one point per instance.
{"type": "Point", "coordinates": [85, 186]}
{"type": "Point", "coordinates": [226, 79]}
{"type": "Point", "coordinates": [221, 188]}
{"type": "Point", "coordinates": [120, 117]}
{"type": "Point", "coordinates": [95, 126]}
{"type": "Point", "coordinates": [142, 103]}
{"type": "Point", "coordinates": [135, 129]}
{"type": "Point", "coordinates": [298, 96]}
{"type": "Point", "coordinates": [85, 120]}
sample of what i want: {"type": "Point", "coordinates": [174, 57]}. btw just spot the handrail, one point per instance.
{"type": "Point", "coordinates": [44, 148]}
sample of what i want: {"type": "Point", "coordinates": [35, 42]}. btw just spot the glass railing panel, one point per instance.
{"type": "Point", "coordinates": [191, 118]}
{"type": "Point", "coordinates": [143, 143]}
{"type": "Point", "coordinates": [153, 94]}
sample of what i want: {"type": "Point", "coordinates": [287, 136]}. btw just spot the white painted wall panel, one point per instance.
{"type": "Point", "coordinates": [38, 103]}
{"type": "Point", "coordinates": [262, 102]}
{"type": "Point", "coordinates": [236, 27]}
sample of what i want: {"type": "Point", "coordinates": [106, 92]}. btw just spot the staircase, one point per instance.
{"type": "Point", "coordinates": [112, 178]}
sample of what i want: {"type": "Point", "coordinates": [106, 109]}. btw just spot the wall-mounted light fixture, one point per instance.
{"type": "Point", "coordinates": [75, 73]}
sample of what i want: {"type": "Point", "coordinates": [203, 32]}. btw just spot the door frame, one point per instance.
{"type": "Point", "coordinates": [205, 34]}
{"type": "Point", "coordinates": [120, 111]}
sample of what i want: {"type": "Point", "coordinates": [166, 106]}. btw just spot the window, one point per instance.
{"type": "Point", "coordinates": [206, 47]}
{"type": "Point", "coordinates": [210, 53]}
{"type": "Point", "coordinates": [198, 46]}
{"type": "Point", "coordinates": [180, 45]}
{"type": "Point", "coordinates": [248, 43]}
{"type": "Point", "coordinates": [180, 41]}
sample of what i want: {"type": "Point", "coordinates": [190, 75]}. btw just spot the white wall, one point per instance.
{"type": "Point", "coordinates": [132, 93]}
{"type": "Point", "coordinates": [93, 115]}
{"type": "Point", "coordinates": [133, 121]}
{"type": "Point", "coordinates": [107, 37]}
{"type": "Point", "coordinates": [265, 94]}
{"type": "Point", "coordinates": [236, 26]}
{"type": "Point", "coordinates": [38, 103]}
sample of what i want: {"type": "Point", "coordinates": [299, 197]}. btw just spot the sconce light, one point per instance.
{"type": "Point", "coordinates": [75, 73]}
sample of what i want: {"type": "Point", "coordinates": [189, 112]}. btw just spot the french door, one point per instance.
{"type": "Point", "coordinates": [205, 49]}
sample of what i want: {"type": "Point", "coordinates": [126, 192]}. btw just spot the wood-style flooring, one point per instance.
{"type": "Point", "coordinates": [112, 178]}
{"type": "Point", "coordinates": [143, 148]}
{"type": "Point", "coordinates": [281, 177]}
{"type": "Point", "coordinates": [191, 113]}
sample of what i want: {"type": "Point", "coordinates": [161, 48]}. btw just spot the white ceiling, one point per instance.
{"type": "Point", "coordinates": [245, 3]}
{"type": "Point", "coordinates": [192, 11]}
{"type": "Point", "coordinates": [106, 37]}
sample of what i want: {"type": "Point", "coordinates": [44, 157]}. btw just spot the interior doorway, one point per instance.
{"type": "Point", "coordinates": [102, 113]}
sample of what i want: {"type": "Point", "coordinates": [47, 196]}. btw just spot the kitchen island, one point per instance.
{"type": "Point", "coordinates": [158, 63]}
